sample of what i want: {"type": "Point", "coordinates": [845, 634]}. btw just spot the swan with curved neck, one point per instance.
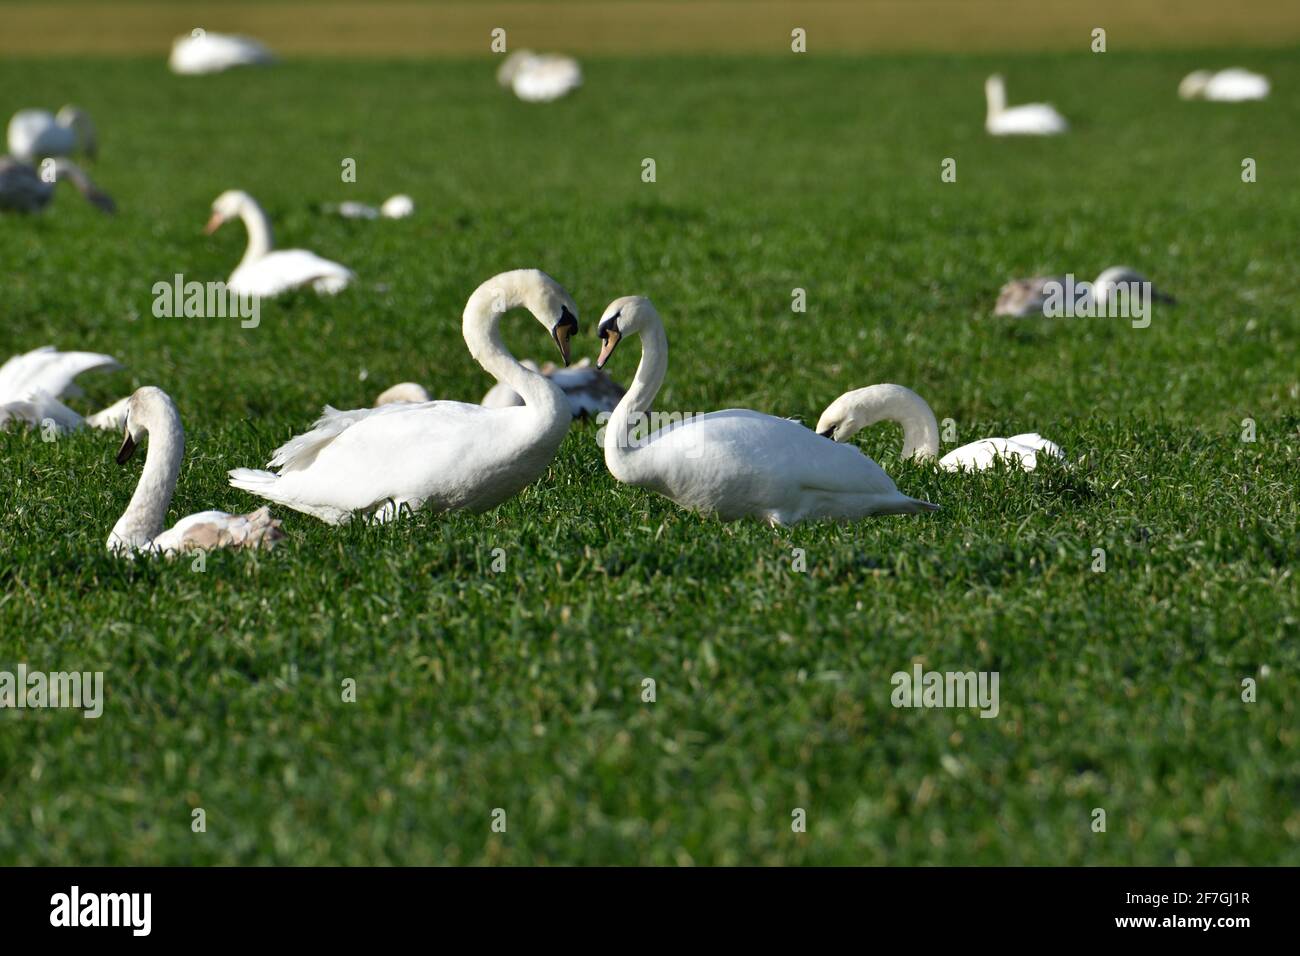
{"type": "Point", "coordinates": [266, 272]}
{"type": "Point", "coordinates": [735, 463]}
{"type": "Point", "coordinates": [856, 410]}
{"type": "Point", "coordinates": [1031, 119]}
{"type": "Point", "coordinates": [150, 412]}
{"type": "Point", "coordinates": [438, 455]}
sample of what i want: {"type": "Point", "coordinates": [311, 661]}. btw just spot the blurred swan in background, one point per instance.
{"type": "Point", "coordinates": [263, 272]}
{"type": "Point", "coordinates": [1233, 85]}
{"type": "Point", "coordinates": [35, 134]}
{"type": "Point", "coordinates": [23, 188]}
{"type": "Point", "coordinates": [1032, 119]}
{"type": "Point", "coordinates": [394, 207]}
{"type": "Point", "coordinates": [1025, 297]}
{"type": "Point", "coordinates": [855, 410]}
{"type": "Point", "coordinates": [539, 77]}
{"type": "Point", "coordinates": [32, 384]}
{"type": "Point", "coordinates": [443, 455]}
{"type": "Point", "coordinates": [150, 411]}
{"type": "Point", "coordinates": [589, 390]}
{"type": "Point", "coordinates": [203, 52]}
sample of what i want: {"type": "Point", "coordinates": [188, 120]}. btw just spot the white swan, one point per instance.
{"type": "Point", "coordinates": [394, 207]}
{"type": "Point", "coordinates": [140, 529]}
{"type": "Point", "coordinates": [855, 410]}
{"type": "Point", "coordinates": [24, 189]}
{"type": "Point", "coordinates": [590, 391]}
{"type": "Point", "coordinates": [31, 385]}
{"type": "Point", "coordinates": [733, 463]}
{"type": "Point", "coordinates": [1025, 297]}
{"type": "Point", "coordinates": [1032, 119]}
{"type": "Point", "coordinates": [439, 455]}
{"type": "Point", "coordinates": [263, 272]}
{"type": "Point", "coordinates": [539, 77]}
{"type": "Point", "coordinates": [36, 134]}
{"type": "Point", "coordinates": [1233, 85]}
{"type": "Point", "coordinates": [202, 52]}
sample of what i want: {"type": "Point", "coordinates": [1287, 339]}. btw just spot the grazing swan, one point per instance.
{"type": "Point", "coordinates": [854, 411]}
{"type": "Point", "coordinates": [394, 207]}
{"type": "Point", "coordinates": [24, 189]}
{"type": "Point", "coordinates": [1032, 119]}
{"type": "Point", "coordinates": [31, 385]}
{"type": "Point", "coordinates": [35, 134]}
{"type": "Point", "coordinates": [733, 463]}
{"type": "Point", "coordinates": [263, 272]}
{"type": "Point", "coordinates": [150, 412]}
{"type": "Point", "coordinates": [439, 455]}
{"type": "Point", "coordinates": [202, 52]}
{"type": "Point", "coordinates": [1234, 85]}
{"type": "Point", "coordinates": [1024, 297]}
{"type": "Point", "coordinates": [539, 77]}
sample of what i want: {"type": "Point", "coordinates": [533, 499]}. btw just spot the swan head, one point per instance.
{"type": "Point", "coordinates": [229, 205]}
{"type": "Point", "coordinates": [145, 409]}
{"type": "Point", "coordinates": [1194, 84]}
{"type": "Point", "coordinates": [629, 315]}
{"type": "Point", "coordinates": [77, 120]}
{"type": "Point", "coordinates": [842, 419]}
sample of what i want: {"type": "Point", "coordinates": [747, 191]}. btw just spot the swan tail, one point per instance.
{"type": "Point", "coordinates": [910, 506]}
{"type": "Point", "coordinates": [256, 481]}
{"type": "Point", "coordinates": [258, 530]}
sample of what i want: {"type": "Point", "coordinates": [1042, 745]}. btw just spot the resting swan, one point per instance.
{"type": "Point", "coordinates": [439, 455]}
{"type": "Point", "coordinates": [140, 529]}
{"type": "Point", "coordinates": [1032, 119]}
{"type": "Point", "coordinates": [1233, 85]}
{"type": "Point", "coordinates": [855, 410]}
{"type": "Point", "coordinates": [35, 134]}
{"type": "Point", "coordinates": [24, 189]}
{"type": "Point", "coordinates": [539, 77]}
{"type": "Point", "coordinates": [31, 385]}
{"type": "Point", "coordinates": [1025, 297]}
{"type": "Point", "coordinates": [733, 463]}
{"type": "Point", "coordinates": [263, 272]}
{"type": "Point", "coordinates": [203, 52]}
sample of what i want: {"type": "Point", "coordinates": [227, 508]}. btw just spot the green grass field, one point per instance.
{"type": "Point", "coordinates": [521, 690]}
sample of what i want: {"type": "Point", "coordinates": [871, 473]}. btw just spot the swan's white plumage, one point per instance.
{"type": "Point", "coordinates": [735, 463]}
{"type": "Point", "coordinates": [439, 455]}
{"type": "Point", "coordinates": [1020, 450]}
{"type": "Point", "coordinates": [35, 134]}
{"type": "Point", "coordinates": [539, 77]}
{"type": "Point", "coordinates": [1234, 85]}
{"type": "Point", "coordinates": [215, 52]}
{"type": "Point", "coordinates": [31, 385]}
{"type": "Point", "coordinates": [1031, 119]}
{"type": "Point", "coordinates": [1026, 297]}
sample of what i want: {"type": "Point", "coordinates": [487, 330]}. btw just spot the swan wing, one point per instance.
{"type": "Point", "coordinates": [1032, 119]}
{"type": "Point", "coordinates": [542, 79]}
{"type": "Point", "coordinates": [37, 408]}
{"type": "Point", "coordinates": [49, 370]}
{"type": "Point", "coordinates": [285, 269]}
{"type": "Point", "coordinates": [1236, 85]}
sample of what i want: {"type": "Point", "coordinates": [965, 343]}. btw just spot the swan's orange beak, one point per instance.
{"type": "Point", "coordinates": [609, 342]}
{"type": "Point", "coordinates": [213, 224]}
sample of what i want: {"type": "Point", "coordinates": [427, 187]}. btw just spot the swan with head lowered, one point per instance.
{"type": "Point", "coordinates": [855, 410]}
{"type": "Point", "coordinates": [24, 189]}
{"type": "Point", "coordinates": [1031, 119]}
{"type": "Point", "coordinates": [735, 463]}
{"type": "Point", "coordinates": [264, 272]}
{"type": "Point", "coordinates": [436, 455]}
{"type": "Point", "coordinates": [140, 529]}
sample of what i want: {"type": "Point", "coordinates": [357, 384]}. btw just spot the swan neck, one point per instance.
{"type": "Point", "coordinates": [259, 231]}
{"type": "Point", "coordinates": [894, 403]}
{"type": "Point", "coordinates": [144, 516]}
{"type": "Point", "coordinates": [995, 95]}
{"type": "Point", "coordinates": [650, 373]}
{"type": "Point", "coordinates": [482, 332]}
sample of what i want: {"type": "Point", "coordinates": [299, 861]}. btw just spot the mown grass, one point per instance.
{"type": "Point", "coordinates": [522, 689]}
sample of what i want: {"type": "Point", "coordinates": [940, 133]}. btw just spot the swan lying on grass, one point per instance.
{"type": "Point", "coordinates": [440, 455]}
{"type": "Point", "coordinates": [855, 410]}
{"type": "Point", "coordinates": [140, 529]}
{"type": "Point", "coordinates": [539, 77]}
{"type": "Point", "coordinates": [31, 385]}
{"type": "Point", "coordinates": [201, 52]}
{"type": "Point", "coordinates": [1031, 119]}
{"type": "Point", "coordinates": [1233, 85]}
{"type": "Point", "coordinates": [265, 272]}
{"type": "Point", "coordinates": [394, 207]}
{"type": "Point", "coordinates": [36, 134]}
{"type": "Point", "coordinates": [1026, 297]}
{"type": "Point", "coordinates": [733, 463]}
{"type": "Point", "coordinates": [23, 189]}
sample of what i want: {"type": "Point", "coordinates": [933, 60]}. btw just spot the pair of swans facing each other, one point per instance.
{"type": "Point", "coordinates": [264, 271]}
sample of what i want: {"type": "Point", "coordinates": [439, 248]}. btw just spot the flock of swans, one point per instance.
{"type": "Point", "coordinates": [411, 451]}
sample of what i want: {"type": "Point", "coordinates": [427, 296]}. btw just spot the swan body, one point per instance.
{"type": "Point", "coordinates": [438, 455]}
{"type": "Point", "coordinates": [205, 52]}
{"type": "Point", "coordinates": [855, 410]}
{"type": "Point", "coordinates": [264, 272]}
{"type": "Point", "coordinates": [23, 189]}
{"type": "Point", "coordinates": [589, 390]}
{"type": "Point", "coordinates": [735, 463]}
{"type": "Point", "coordinates": [539, 77]}
{"type": "Point", "coordinates": [1233, 85]}
{"type": "Point", "coordinates": [394, 207]}
{"type": "Point", "coordinates": [1025, 297]}
{"type": "Point", "coordinates": [36, 134]}
{"type": "Point", "coordinates": [1031, 119]}
{"type": "Point", "coordinates": [31, 385]}
{"type": "Point", "coordinates": [140, 529]}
